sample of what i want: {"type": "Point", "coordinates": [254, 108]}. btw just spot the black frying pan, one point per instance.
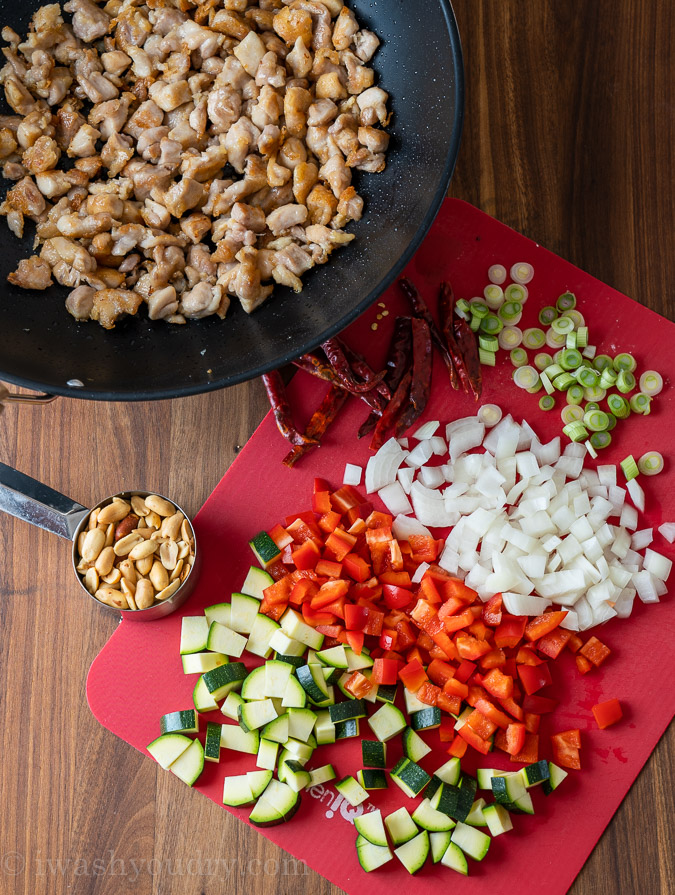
{"type": "Point", "coordinates": [420, 65]}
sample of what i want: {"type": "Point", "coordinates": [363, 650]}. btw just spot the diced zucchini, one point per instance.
{"type": "Point", "coordinates": [508, 789]}
{"type": "Point", "coordinates": [280, 642]}
{"type": "Point", "coordinates": [524, 804]}
{"type": "Point", "coordinates": [371, 827]}
{"type": "Point", "coordinates": [556, 777]}
{"type": "Point", "coordinates": [372, 856]}
{"type": "Point", "coordinates": [243, 613]}
{"type": "Point", "coordinates": [267, 754]}
{"type": "Point", "coordinates": [254, 684]}
{"type": "Point", "coordinates": [536, 773]}
{"type": "Point", "coordinates": [293, 624]}
{"type": "Point", "coordinates": [485, 775]}
{"type": "Point", "coordinates": [212, 742]}
{"type": "Point", "coordinates": [230, 708]}
{"type": "Point", "coordinates": [324, 728]}
{"type": "Point", "coordinates": [255, 582]}
{"type": "Point", "coordinates": [257, 714]}
{"type": "Point", "coordinates": [497, 818]}
{"type": "Point", "coordinates": [414, 746]}
{"type": "Point", "coordinates": [351, 790]}
{"type": "Point", "coordinates": [264, 814]}
{"type": "Point", "coordinates": [401, 826]}
{"type": "Point", "coordinates": [276, 730]}
{"type": "Point", "coordinates": [473, 842]}
{"type": "Point", "coordinates": [438, 843]}
{"type": "Point", "coordinates": [194, 632]}
{"type": "Point", "coordinates": [167, 748]}
{"type": "Point", "coordinates": [455, 859]}
{"type": "Point", "coordinates": [345, 711]}
{"type": "Point", "coordinates": [449, 772]}
{"type": "Point", "coordinates": [414, 853]}
{"type": "Point", "coordinates": [374, 753]}
{"type": "Point", "coordinates": [410, 777]}
{"type": "Point", "coordinates": [219, 612]}
{"type": "Point", "coordinates": [463, 717]}
{"type": "Point", "coordinates": [313, 682]}
{"type": "Point", "coordinates": [189, 765]}
{"type": "Point", "coordinates": [412, 703]}
{"type": "Point", "coordinates": [296, 776]}
{"type": "Point", "coordinates": [237, 791]}
{"type": "Point", "coordinates": [264, 549]}
{"type": "Point", "coordinates": [372, 778]}
{"type": "Point", "coordinates": [331, 675]}
{"type": "Point", "coordinates": [259, 781]}
{"type": "Point", "coordinates": [186, 721]}
{"type": "Point", "coordinates": [357, 662]}
{"type": "Point", "coordinates": [430, 819]}
{"type": "Point", "coordinates": [466, 797]}
{"type": "Point", "coordinates": [203, 700]}
{"type": "Point", "coordinates": [282, 797]}
{"type": "Point", "coordinates": [475, 817]}
{"type": "Point", "coordinates": [301, 723]}
{"type": "Point", "coordinates": [198, 663]}
{"type": "Point", "coordinates": [345, 730]}
{"type": "Point", "coordinates": [293, 661]}
{"type": "Point", "coordinates": [261, 633]}
{"type": "Point", "coordinates": [386, 693]}
{"type": "Point", "coordinates": [387, 722]}
{"type": "Point", "coordinates": [335, 656]}
{"type": "Point", "coordinates": [322, 775]}
{"type": "Point", "coordinates": [233, 737]}
{"type": "Point", "coordinates": [222, 680]}
{"type": "Point", "coordinates": [277, 675]}
{"type": "Point", "coordinates": [426, 719]}
{"type": "Point", "coordinates": [299, 750]}
{"type": "Point", "coordinates": [224, 640]}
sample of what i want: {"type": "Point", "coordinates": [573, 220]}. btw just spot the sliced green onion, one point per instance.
{"type": "Point", "coordinates": [601, 361]}
{"type": "Point", "coordinates": [497, 274]}
{"type": "Point", "coordinates": [624, 361]}
{"type": "Point", "coordinates": [576, 431]}
{"type": "Point", "coordinates": [601, 440]}
{"type": "Point", "coordinates": [488, 343]}
{"type": "Point", "coordinates": [566, 302]}
{"type": "Point", "coordinates": [534, 338]}
{"type": "Point", "coordinates": [562, 326]}
{"type": "Point", "coordinates": [510, 337]}
{"type": "Point", "coordinates": [546, 402]}
{"type": "Point", "coordinates": [611, 422]}
{"type": "Point", "coordinates": [488, 358]}
{"type": "Point", "coordinates": [595, 420]}
{"type": "Point", "coordinates": [608, 377]}
{"type": "Point", "coordinates": [582, 337]}
{"type": "Point", "coordinates": [554, 370]}
{"type": "Point", "coordinates": [563, 382]}
{"type": "Point", "coordinates": [535, 388]}
{"type": "Point", "coordinates": [542, 360]}
{"type": "Point", "coordinates": [571, 340]}
{"type": "Point", "coordinates": [518, 357]}
{"type": "Point", "coordinates": [516, 292]}
{"type": "Point", "coordinates": [554, 339]}
{"type": "Point", "coordinates": [463, 308]}
{"type": "Point", "coordinates": [571, 413]}
{"type": "Point", "coordinates": [494, 296]}
{"type": "Point", "coordinates": [557, 356]}
{"type": "Point", "coordinates": [547, 315]}
{"type": "Point", "coordinates": [591, 405]}
{"type": "Point", "coordinates": [625, 382]}
{"type": "Point", "coordinates": [491, 325]}
{"type": "Point", "coordinates": [619, 406]}
{"type": "Point", "coordinates": [589, 351]}
{"type": "Point", "coordinates": [474, 323]}
{"type": "Point", "coordinates": [522, 272]}
{"type": "Point", "coordinates": [651, 382]}
{"type": "Point", "coordinates": [478, 308]}
{"type": "Point", "coordinates": [511, 312]}
{"type": "Point", "coordinates": [524, 376]}
{"type": "Point", "coordinates": [640, 403]}
{"type": "Point", "coordinates": [587, 377]}
{"type": "Point", "coordinates": [576, 317]}
{"type": "Point", "coordinates": [650, 463]}
{"type": "Point", "coordinates": [630, 468]}
{"type": "Point", "coordinates": [591, 450]}
{"type": "Point", "coordinates": [575, 394]}
{"type": "Point", "coordinates": [546, 382]}
{"type": "Point", "coordinates": [571, 359]}
{"type": "Point", "coordinates": [490, 414]}
{"type": "Point", "coordinates": [594, 393]}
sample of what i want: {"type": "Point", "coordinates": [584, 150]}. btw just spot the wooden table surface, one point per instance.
{"type": "Point", "coordinates": [568, 138]}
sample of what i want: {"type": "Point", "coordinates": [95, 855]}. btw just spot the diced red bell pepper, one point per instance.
{"type": "Point", "coordinates": [355, 617]}
{"type": "Point", "coordinates": [303, 590]}
{"type": "Point", "coordinates": [453, 687]}
{"type": "Point", "coordinates": [527, 656]}
{"type": "Point", "coordinates": [388, 639]}
{"type": "Point", "coordinates": [337, 607]}
{"type": "Point", "coordinates": [575, 643]}
{"type": "Point", "coordinates": [515, 738]}
{"type": "Point", "coordinates": [554, 643]}
{"type": "Point", "coordinates": [374, 622]}
{"type": "Point", "coordinates": [399, 579]}
{"type": "Point", "coordinates": [358, 685]}
{"type": "Point", "coordinates": [473, 739]}
{"type": "Point", "coordinates": [356, 567]}
{"type": "Point", "coordinates": [446, 731]}
{"type": "Point", "coordinates": [451, 704]}
{"type": "Point", "coordinates": [469, 647]}
{"type": "Point", "coordinates": [566, 750]}
{"type": "Point", "coordinates": [277, 569]}
{"type": "Point", "coordinates": [340, 544]}
{"type": "Point", "coordinates": [272, 610]}
{"type": "Point", "coordinates": [303, 527]}
{"type": "Point", "coordinates": [510, 630]}
{"type": "Point", "coordinates": [490, 710]}
{"type": "Point", "coordinates": [345, 498]}
{"type": "Point", "coordinates": [540, 705]}
{"type": "Point", "coordinates": [492, 611]}
{"type": "Point", "coordinates": [279, 592]}
{"type": "Point", "coordinates": [424, 548]}
{"type": "Point", "coordinates": [328, 569]}
{"type": "Point", "coordinates": [385, 671]}
{"type": "Point", "coordinates": [329, 521]}
{"type": "Point", "coordinates": [428, 693]}
{"type": "Point", "coordinates": [451, 607]}
{"type": "Point", "coordinates": [607, 713]}
{"type": "Point", "coordinates": [458, 747]}
{"type": "Point", "coordinates": [316, 617]}
{"type": "Point", "coordinates": [465, 670]}
{"type": "Point", "coordinates": [478, 630]}
{"type": "Point", "coordinates": [512, 708]}
{"type": "Point", "coordinates": [534, 677]}
{"type": "Point", "coordinates": [396, 597]}
{"type": "Point", "coordinates": [440, 672]}
{"type": "Point", "coordinates": [321, 502]}
{"type": "Point", "coordinates": [532, 722]}
{"type": "Point", "coordinates": [443, 648]}
{"type": "Point", "coordinates": [355, 640]}
{"type": "Point", "coordinates": [481, 725]}
{"type": "Point", "coordinates": [426, 617]}
{"type": "Point", "coordinates": [406, 637]}
{"type": "Point", "coordinates": [455, 587]}
{"type": "Point", "coordinates": [428, 591]}
{"type": "Point", "coordinates": [321, 485]}
{"type": "Point", "coordinates": [595, 651]}
{"type": "Point", "coordinates": [329, 632]}
{"type": "Point", "coordinates": [583, 664]}
{"type": "Point", "coordinates": [453, 623]}
{"type": "Point", "coordinates": [413, 676]}
{"type": "Point", "coordinates": [497, 684]}
{"type": "Point", "coordinates": [395, 557]}
{"type": "Point", "coordinates": [496, 658]}
{"type": "Point", "coordinates": [530, 751]}
{"type": "Point", "coordinates": [368, 590]}
{"type": "Point", "coordinates": [330, 592]}
{"type": "Point", "coordinates": [543, 624]}
{"type": "Point", "coordinates": [280, 536]}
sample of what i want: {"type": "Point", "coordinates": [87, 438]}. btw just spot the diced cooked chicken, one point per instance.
{"type": "Point", "coordinates": [80, 302]}
{"type": "Point", "coordinates": [286, 217]}
{"type": "Point", "coordinates": [116, 153]}
{"type": "Point", "coordinates": [373, 106]}
{"type": "Point", "coordinates": [365, 44]}
{"type": "Point", "coordinates": [346, 27]}
{"type": "Point", "coordinates": [42, 155]}
{"type": "Point", "coordinates": [111, 304]}
{"type": "Point", "coordinates": [89, 20]}
{"type": "Point", "coordinates": [246, 284]}
{"type": "Point", "coordinates": [240, 139]}
{"type": "Point", "coordinates": [32, 273]}
{"type": "Point", "coordinates": [183, 195]}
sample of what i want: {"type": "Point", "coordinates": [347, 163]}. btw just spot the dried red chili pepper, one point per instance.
{"type": "Point", "coordinates": [336, 356]}
{"type": "Point", "coordinates": [420, 309]}
{"type": "Point", "coordinates": [321, 419]}
{"type": "Point", "coordinates": [467, 344]}
{"type": "Point", "coordinates": [446, 307]}
{"type": "Point", "coordinates": [313, 365]}
{"type": "Point", "coordinates": [363, 369]}
{"type": "Point", "coordinates": [420, 385]}
{"type": "Point", "coordinates": [392, 412]}
{"type": "Point", "coordinates": [398, 362]}
{"type": "Point", "coordinates": [276, 392]}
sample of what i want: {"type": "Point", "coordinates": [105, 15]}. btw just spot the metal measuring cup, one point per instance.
{"type": "Point", "coordinates": [32, 501]}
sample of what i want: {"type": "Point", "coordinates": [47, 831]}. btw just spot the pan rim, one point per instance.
{"type": "Point", "coordinates": [188, 390]}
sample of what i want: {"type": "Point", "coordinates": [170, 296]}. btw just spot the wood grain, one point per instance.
{"type": "Point", "coordinates": [568, 138]}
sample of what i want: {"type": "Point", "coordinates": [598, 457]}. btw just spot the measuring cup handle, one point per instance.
{"type": "Point", "coordinates": [30, 500]}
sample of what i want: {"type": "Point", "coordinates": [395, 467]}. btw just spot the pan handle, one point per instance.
{"type": "Point", "coordinates": [7, 397]}
{"type": "Point", "coordinates": [33, 502]}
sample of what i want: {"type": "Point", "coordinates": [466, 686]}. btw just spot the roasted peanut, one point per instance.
{"type": "Point", "coordinates": [171, 526]}
{"type": "Point", "coordinates": [125, 526]}
{"type": "Point", "coordinates": [144, 565]}
{"type": "Point", "coordinates": [138, 505]}
{"type": "Point", "coordinates": [145, 594]}
{"type": "Point", "coordinates": [94, 542]}
{"type": "Point", "coordinates": [168, 591]}
{"type": "Point", "coordinates": [158, 505]}
{"type": "Point", "coordinates": [145, 548]}
{"type": "Point", "coordinates": [128, 570]}
{"type": "Point", "coordinates": [91, 580]}
{"type": "Point", "coordinates": [114, 511]}
{"type": "Point", "coordinates": [113, 577]}
{"type": "Point", "coordinates": [159, 576]}
{"type": "Point", "coordinates": [179, 568]}
{"type": "Point", "coordinates": [125, 545]}
{"type": "Point", "coordinates": [112, 597]}
{"type": "Point", "coordinates": [168, 554]}
{"type": "Point", "coordinates": [105, 560]}
{"type": "Point", "coordinates": [153, 520]}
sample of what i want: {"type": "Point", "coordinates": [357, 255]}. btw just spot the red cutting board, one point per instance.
{"type": "Point", "coordinates": [548, 849]}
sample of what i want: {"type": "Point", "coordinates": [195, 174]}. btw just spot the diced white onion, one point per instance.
{"type": "Point", "coordinates": [382, 467]}
{"type": "Point", "coordinates": [419, 455]}
{"type": "Point", "coordinates": [404, 526]}
{"type": "Point", "coordinates": [405, 476]}
{"type": "Point", "coordinates": [352, 474]}
{"type": "Point", "coordinates": [607, 475]}
{"type": "Point", "coordinates": [657, 564]}
{"type": "Point", "coordinates": [438, 445]}
{"type": "Point", "coordinates": [395, 499]}
{"type": "Point", "coordinates": [645, 584]}
{"type": "Point", "coordinates": [668, 531]}
{"type": "Point", "coordinates": [431, 476]}
{"type": "Point", "coordinates": [419, 572]}
{"type": "Point", "coordinates": [426, 430]}
{"type": "Point", "coordinates": [637, 495]}
{"type": "Point", "coordinates": [642, 539]}
{"type": "Point", "coordinates": [524, 604]}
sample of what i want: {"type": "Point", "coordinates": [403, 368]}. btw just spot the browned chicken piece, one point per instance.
{"type": "Point", "coordinates": [147, 115]}
{"type": "Point", "coordinates": [336, 173]}
{"type": "Point", "coordinates": [246, 283]}
{"type": "Point", "coordinates": [322, 112]}
{"type": "Point", "coordinates": [111, 116]}
{"type": "Point", "coordinates": [249, 217]}
{"type": "Point", "coordinates": [240, 139]}
{"type": "Point", "coordinates": [195, 227]}
{"type": "Point", "coordinates": [26, 198]}
{"type": "Point", "coordinates": [373, 106]}
{"type": "Point", "coordinates": [345, 28]}
{"type": "Point", "coordinates": [286, 217]}
{"type": "Point", "coordinates": [296, 103]}
{"type": "Point", "coordinates": [250, 53]}
{"type": "Point", "coordinates": [359, 76]}
{"type": "Point", "coordinates": [321, 21]}
{"type": "Point", "coordinates": [270, 140]}
{"type": "Point", "coordinates": [268, 108]}
{"type": "Point", "coordinates": [300, 59]}
{"type": "Point", "coordinates": [41, 156]}
{"type": "Point", "coordinates": [80, 302]}
{"type": "Point", "coordinates": [201, 301]}
{"type": "Point", "coordinates": [8, 144]}
{"type": "Point", "coordinates": [305, 178]}
{"type": "Point", "coordinates": [374, 139]}
{"type": "Point", "coordinates": [269, 72]}
{"type": "Point", "coordinates": [365, 160]}
{"type": "Point", "coordinates": [116, 153]}
{"type": "Point", "coordinates": [32, 273]}
{"type": "Point", "coordinates": [293, 24]}
{"type": "Point", "coordinates": [344, 131]}
{"type": "Point", "coordinates": [89, 21]}
{"type": "Point", "coordinates": [182, 196]}
{"type": "Point", "coordinates": [111, 304]}
{"type": "Point", "coordinates": [322, 205]}
{"type": "Point", "coordinates": [162, 303]}
{"type": "Point", "coordinates": [365, 45]}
